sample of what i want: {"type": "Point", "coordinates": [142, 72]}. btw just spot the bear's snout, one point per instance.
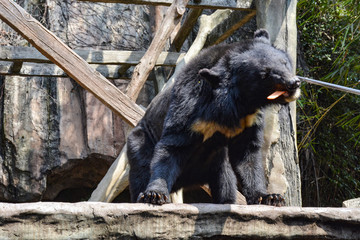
{"type": "Point", "coordinates": [293, 84]}
{"type": "Point", "coordinates": [293, 89]}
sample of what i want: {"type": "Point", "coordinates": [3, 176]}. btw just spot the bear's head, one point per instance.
{"type": "Point", "coordinates": [257, 72]}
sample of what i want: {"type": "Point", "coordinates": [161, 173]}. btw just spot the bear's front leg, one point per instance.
{"type": "Point", "coordinates": [222, 180]}
{"type": "Point", "coordinates": [164, 172]}
{"type": "Point", "coordinates": [246, 160]}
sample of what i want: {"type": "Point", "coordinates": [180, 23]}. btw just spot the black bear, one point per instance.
{"type": "Point", "coordinates": [208, 127]}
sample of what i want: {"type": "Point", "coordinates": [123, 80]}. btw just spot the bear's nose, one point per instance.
{"type": "Point", "coordinates": [293, 84]}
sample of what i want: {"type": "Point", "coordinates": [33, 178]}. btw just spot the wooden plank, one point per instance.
{"type": "Point", "coordinates": [41, 69]}
{"type": "Point", "coordinates": [186, 28]}
{"type": "Point", "coordinates": [16, 67]}
{"type": "Point", "coordinates": [141, 72]}
{"type": "Point", "coordinates": [26, 54]}
{"type": "Point", "coordinates": [211, 4]}
{"type": "Point", "coordinates": [52, 70]}
{"type": "Point", "coordinates": [229, 26]}
{"type": "Point", "coordinates": [76, 67]}
{"type": "Point", "coordinates": [5, 67]}
{"type": "Point", "coordinates": [30, 54]}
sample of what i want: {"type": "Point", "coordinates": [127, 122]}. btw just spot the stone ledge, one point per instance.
{"type": "Point", "coordinates": [352, 203]}
{"type": "Point", "coordinates": [90, 220]}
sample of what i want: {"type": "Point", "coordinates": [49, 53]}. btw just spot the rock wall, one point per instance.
{"type": "Point", "coordinates": [57, 140]}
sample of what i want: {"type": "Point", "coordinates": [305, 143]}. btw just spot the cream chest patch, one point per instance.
{"type": "Point", "coordinates": [208, 128]}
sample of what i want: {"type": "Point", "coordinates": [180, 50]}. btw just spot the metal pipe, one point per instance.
{"type": "Point", "coordinates": [330, 85]}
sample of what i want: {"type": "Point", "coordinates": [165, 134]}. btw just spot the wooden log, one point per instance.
{"type": "Point", "coordinates": [105, 57]}
{"type": "Point", "coordinates": [142, 70]}
{"type": "Point", "coordinates": [227, 27]}
{"type": "Point", "coordinates": [115, 180]}
{"type": "Point", "coordinates": [207, 24]}
{"type": "Point", "coordinates": [76, 67]}
{"type": "Point", "coordinates": [211, 4]}
{"type": "Point", "coordinates": [186, 28]}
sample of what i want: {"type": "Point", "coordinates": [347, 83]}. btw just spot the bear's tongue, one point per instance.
{"type": "Point", "coordinates": [275, 95]}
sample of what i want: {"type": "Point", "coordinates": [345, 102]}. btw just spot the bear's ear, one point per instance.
{"type": "Point", "coordinates": [210, 76]}
{"type": "Point", "coordinates": [262, 35]}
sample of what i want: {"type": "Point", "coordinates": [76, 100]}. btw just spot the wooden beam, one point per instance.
{"type": "Point", "coordinates": [5, 68]}
{"type": "Point", "coordinates": [211, 4]}
{"type": "Point", "coordinates": [76, 67]}
{"type": "Point", "coordinates": [186, 28]}
{"type": "Point", "coordinates": [41, 70]}
{"type": "Point", "coordinates": [51, 70]}
{"type": "Point", "coordinates": [105, 57]}
{"type": "Point", "coordinates": [16, 67]}
{"type": "Point", "coordinates": [141, 72]}
{"type": "Point", "coordinates": [226, 28]}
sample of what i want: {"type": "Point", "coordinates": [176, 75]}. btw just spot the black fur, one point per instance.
{"type": "Point", "coordinates": [207, 127]}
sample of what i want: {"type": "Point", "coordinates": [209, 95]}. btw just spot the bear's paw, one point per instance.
{"type": "Point", "coordinates": [272, 199]}
{"type": "Point", "coordinates": [153, 197]}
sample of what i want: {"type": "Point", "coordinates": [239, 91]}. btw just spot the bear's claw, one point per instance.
{"type": "Point", "coordinates": [153, 198]}
{"type": "Point", "coordinates": [272, 200]}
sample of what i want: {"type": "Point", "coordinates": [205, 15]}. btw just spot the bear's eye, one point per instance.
{"type": "Point", "coordinates": [276, 76]}
{"type": "Point", "coordinates": [263, 74]}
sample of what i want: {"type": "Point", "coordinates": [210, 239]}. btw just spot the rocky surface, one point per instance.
{"type": "Point", "coordinates": [56, 136]}
{"type": "Point", "coordinates": [352, 203]}
{"type": "Point", "coordinates": [84, 220]}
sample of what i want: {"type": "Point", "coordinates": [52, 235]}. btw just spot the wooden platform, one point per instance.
{"type": "Point", "coordinates": [89, 220]}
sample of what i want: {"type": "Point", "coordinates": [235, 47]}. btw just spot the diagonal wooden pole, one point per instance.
{"type": "Point", "coordinates": [147, 63]}
{"type": "Point", "coordinates": [76, 67]}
